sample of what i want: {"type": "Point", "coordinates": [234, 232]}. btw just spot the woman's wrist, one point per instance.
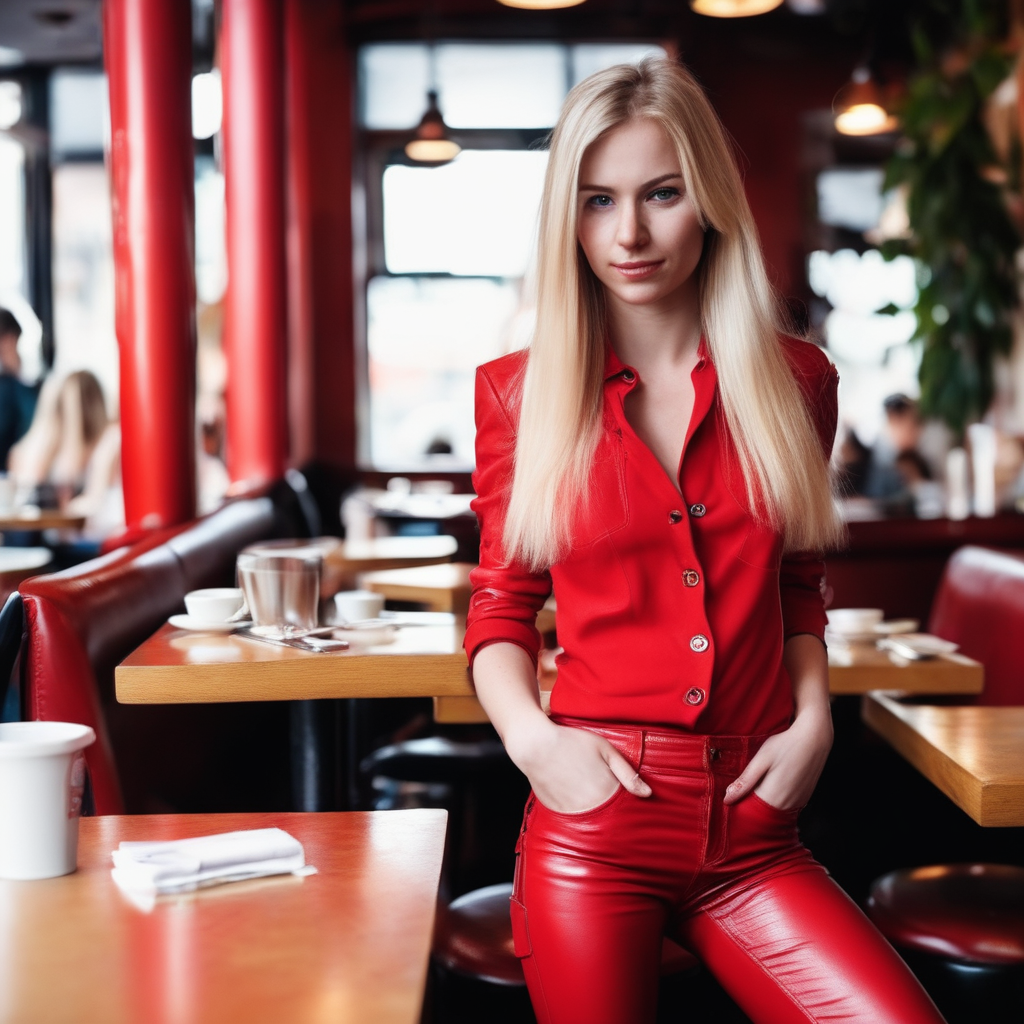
{"type": "Point", "coordinates": [815, 719]}
{"type": "Point", "coordinates": [528, 739]}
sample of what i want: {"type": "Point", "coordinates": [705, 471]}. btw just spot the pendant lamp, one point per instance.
{"type": "Point", "coordinates": [541, 5]}
{"type": "Point", "coordinates": [431, 144]}
{"type": "Point", "coordinates": [733, 8]}
{"type": "Point", "coordinates": [858, 107]}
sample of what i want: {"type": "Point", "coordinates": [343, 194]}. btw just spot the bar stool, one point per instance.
{"type": "Point", "coordinates": [473, 940]}
{"type": "Point", "coordinates": [963, 928]}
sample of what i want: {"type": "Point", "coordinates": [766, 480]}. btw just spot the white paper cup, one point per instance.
{"type": "Point", "coordinates": [215, 604]}
{"type": "Point", "coordinates": [356, 605]}
{"type": "Point", "coordinates": [854, 620]}
{"type": "Point", "coordinates": [42, 778]}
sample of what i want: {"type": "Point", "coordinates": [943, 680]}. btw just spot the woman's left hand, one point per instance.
{"type": "Point", "coordinates": [785, 769]}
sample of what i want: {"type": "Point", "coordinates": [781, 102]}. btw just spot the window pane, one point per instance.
{"type": "Point", "coordinates": [851, 198]}
{"type": "Point", "coordinates": [12, 216]}
{"type": "Point", "coordinates": [474, 216]}
{"type": "Point", "coordinates": [494, 86]}
{"type": "Point", "coordinates": [587, 59]}
{"type": "Point", "coordinates": [393, 79]}
{"type": "Point", "coordinates": [79, 117]}
{"type": "Point", "coordinates": [426, 336]}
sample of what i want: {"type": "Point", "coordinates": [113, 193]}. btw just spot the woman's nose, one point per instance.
{"type": "Point", "coordinates": [632, 231]}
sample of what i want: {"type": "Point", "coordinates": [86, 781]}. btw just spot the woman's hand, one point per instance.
{"type": "Point", "coordinates": [572, 770]}
{"type": "Point", "coordinates": [785, 770]}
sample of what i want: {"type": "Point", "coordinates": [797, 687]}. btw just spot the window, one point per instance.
{"type": "Point", "coordinates": [448, 247]}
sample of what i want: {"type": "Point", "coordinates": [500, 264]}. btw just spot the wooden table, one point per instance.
{"type": "Point", "coordinates": [442, 588]}
{"type": "Point", "coordinates": [40, 519]}
{"type": "Point", "coordinates": [174, 667]}
{"type": "Point", "coordinates": [348, 945]}
{"type": "Point", "coordinates": [975, 755]}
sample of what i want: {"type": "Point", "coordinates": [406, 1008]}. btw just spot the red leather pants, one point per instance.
{"type": "Point", "coordinates": [594, 893]}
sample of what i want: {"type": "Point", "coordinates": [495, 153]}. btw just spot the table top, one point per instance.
{"type": "Point", "coordinates": [444, 587]}
{"type": "Point", "coordinates": [39, 519]}
{"type": "Point", "coordinates": [349, 944]}
{"type": "Point", "coordinates": [975, 755]}
{"type": "Point", "coordinates": [24, 560]}
{"type": "Point", "coordinates": [177, 667]}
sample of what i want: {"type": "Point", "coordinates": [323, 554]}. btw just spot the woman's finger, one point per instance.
{"type": "Point", "coordinates": [749, 779]}
{"type": "Point", "coordinates": [627, 775]}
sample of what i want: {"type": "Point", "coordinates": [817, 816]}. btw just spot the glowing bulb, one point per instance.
{"type": "Point", "coordinates": [432, 151]}
{"type": "Point", "coordinates": [865, 119]}
{"type": "Point", "coordinates": [541, 5]}
{"type": "Point", "coordinates": [733, 8]}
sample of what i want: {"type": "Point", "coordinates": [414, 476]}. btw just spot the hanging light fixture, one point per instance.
{"type": "Point", "coordinates": [733, 8]}
{"type": "Point", "coordinates": [541, 5]}
{"type": "Point", "coordinates": [858, 107]}
{"type": "Point", "coordinates": [431, 144]}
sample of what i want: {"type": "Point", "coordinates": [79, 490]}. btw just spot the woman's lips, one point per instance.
{"type": "Point", "coordinates": [639, 269]}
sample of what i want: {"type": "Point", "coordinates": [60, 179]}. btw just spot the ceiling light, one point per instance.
{"type": "Point", "coordinates": [431, 144]}
{"type": "Point", "coordinates": [207, 104]}
{"type": "Point", "coordinates": [858, 107]}
{"type": "Point", "coordinates": [541, 5]}
{"type": "Point", "coordinates": [733, 8]}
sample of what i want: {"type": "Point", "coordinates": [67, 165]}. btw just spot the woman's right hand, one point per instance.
{"type": "Point", "coordinates": [571, 770]}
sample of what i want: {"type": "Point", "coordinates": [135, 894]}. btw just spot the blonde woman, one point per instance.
{"type": "Point", "coordinates": [660, 457]}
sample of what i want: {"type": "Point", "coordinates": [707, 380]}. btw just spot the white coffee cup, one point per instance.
{"type": "Point", "coordinates": [215, 604]}
{"type": "Point", "coordinates": [356, 605]}
{"type": "Point", "coordinates": [42, 778]}
{"type": "Point", "coordinates": [854, 620]}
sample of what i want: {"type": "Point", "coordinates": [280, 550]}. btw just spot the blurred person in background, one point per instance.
{"type": "Point", "coordinates": [71, 456]}
{"type": "Point", "coordinates": [17, 399]}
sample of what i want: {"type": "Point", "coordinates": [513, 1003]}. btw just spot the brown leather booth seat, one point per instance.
{"type": "Point", "coordinates": [82, 622]}
{"type": "Point", "coordinates": [980, 606]}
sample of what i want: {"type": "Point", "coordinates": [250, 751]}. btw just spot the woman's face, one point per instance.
{"type": "Point", "coordinates": [636, 224]}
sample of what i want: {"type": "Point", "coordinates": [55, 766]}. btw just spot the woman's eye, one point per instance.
{"type": "Point", "coordinates": [663, 194]}
{"type": "Point", "coordinates": [601, 201]}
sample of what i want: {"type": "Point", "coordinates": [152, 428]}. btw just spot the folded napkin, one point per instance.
{"type": "Point", "coordinates": [181, 865]}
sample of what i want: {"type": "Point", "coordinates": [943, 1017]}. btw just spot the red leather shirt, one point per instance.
{"type": "Point", "coordinates": [673, 604]}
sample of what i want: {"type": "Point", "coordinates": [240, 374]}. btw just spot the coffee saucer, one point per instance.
{"type": "Point", "coordinates": [198, 626]}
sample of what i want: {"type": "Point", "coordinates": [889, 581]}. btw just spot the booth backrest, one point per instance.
{"type": "Point", "coordinates": [82, 622]}
{"type": "Point", "coordinates": [980, 606]}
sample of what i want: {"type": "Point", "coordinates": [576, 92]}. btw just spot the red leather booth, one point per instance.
{"type": "Point", "coordinates": [82, 622]}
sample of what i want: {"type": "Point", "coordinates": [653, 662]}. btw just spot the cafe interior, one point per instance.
{"type": "Point", "coordinates": [256, 249]}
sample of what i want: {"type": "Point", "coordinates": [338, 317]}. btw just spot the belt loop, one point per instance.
{"type": "Point", "coordinates": [640, 752]}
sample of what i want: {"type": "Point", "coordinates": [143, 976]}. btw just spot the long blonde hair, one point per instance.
{"type": "Point", "coordinates": [788, 480]}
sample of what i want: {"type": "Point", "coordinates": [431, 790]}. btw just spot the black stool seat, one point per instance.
{"type": "Point", "coordinates": [436, 759]}
{"type": "Point", "coordinates": [967, 912]}
{"type": "Point", "coordinates": [474, 937]}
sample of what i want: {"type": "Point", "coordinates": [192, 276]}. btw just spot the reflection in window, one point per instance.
{"type": "Point", "coordinates": [425, 337]}
{"type": "Point", "coordinates": [476, 215]}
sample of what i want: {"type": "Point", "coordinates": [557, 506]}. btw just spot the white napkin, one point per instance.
{"type": "Point", "coordinates": [181, 865]}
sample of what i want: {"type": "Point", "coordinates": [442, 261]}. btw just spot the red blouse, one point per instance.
{"type": "Point", "coordinates": [673, 605]}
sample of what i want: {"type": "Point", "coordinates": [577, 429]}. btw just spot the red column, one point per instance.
{"type": "Point", "coordinates": [255, 313]}
{"type": "Point", "coordinates": [148, 54]}
{"type": "Point", "coordinates": [320, 143]}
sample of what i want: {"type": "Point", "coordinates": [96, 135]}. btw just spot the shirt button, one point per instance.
{"type": "Point", "coordinates": [695, 695]}
{"type": "Point", "coordinates": [697, 510]}
{"type": "Point", "coordinates": [629, 376]}
{"type": "Point", "coordinates": [691, 577]}
{"type": "Point", "coordinates": [699, 643]}
{"type": "Point", "coordinates": [675, 516]}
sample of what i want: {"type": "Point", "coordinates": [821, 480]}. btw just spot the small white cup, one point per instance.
{"type": "Point", "coordinates": [42, 778]}
{"type": "Point", "coordinates": [356, 605]}
{"type": "Point", "coordinates": [215, 604]}
{"type": "Point", "coordinates": [854, 620]}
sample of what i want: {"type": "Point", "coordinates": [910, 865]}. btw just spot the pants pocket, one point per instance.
{"type": "Point", "coordinates": [520, 932]}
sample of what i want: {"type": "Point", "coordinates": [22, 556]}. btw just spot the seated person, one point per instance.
{"type": "Point", "coordinates": [17, 399]}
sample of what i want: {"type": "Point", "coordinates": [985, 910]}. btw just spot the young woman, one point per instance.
{"type": "Point", "coordinates": [661, 458]}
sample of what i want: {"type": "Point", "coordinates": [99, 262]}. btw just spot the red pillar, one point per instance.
{"type": "Point", "coordinates": [320, 252]}
{"type": "Point", "coordinates": [148, 54]}
{"type": "Point", "coordinates": [255, 313]}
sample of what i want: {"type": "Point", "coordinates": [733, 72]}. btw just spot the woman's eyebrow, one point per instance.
{"type": "Point", "coordinates": [643, 188]}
